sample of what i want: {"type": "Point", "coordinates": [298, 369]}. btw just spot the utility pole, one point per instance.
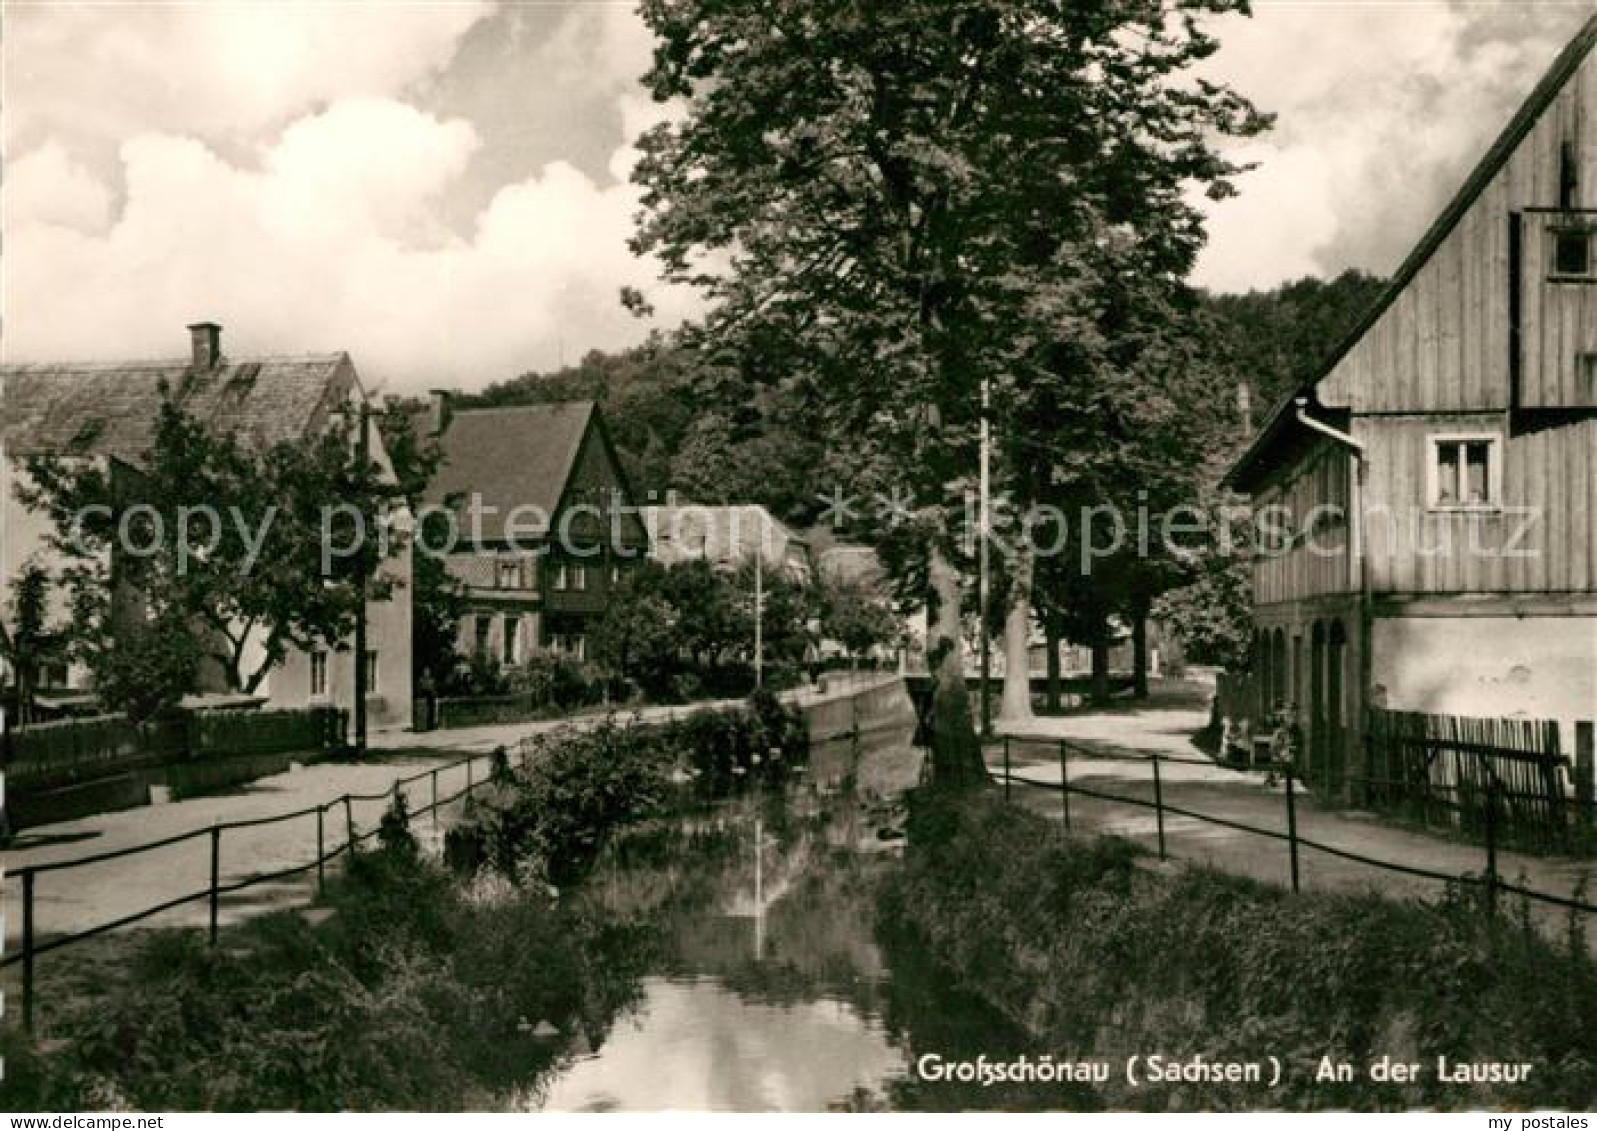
{"type": "Point", "coordinates": [759, 605]}
{"type": "Point", "coordinates": [984, 524]}
{"type": "Point", "coordinates": [363, 458]}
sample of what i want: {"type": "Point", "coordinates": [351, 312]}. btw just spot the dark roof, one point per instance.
{"type": "Point", "coordinates": [510, 457]}
{"type": "Point", "coordinates": [111, 408]}
{"type": "Point", "coordinates": [1518, 128]}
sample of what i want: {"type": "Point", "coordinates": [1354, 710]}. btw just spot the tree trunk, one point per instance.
{"type": "Point", "coordinates": [956, 760]}
{"type": "Point", "coordinates": [1051, 629]}
{"type": "Point", "coordinates": [1139, 655]}
{"type": "Point", "coordinates": [1016, 703]}
{"type": "Point", "coordinates": [1100, 666]}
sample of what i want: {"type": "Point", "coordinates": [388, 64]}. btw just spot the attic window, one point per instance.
{"type": "Point", "coordinates": [1572, 258]}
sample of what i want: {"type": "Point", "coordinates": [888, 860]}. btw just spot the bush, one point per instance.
{"type": "Point", "coordinates": [411, 996]}
{"type": "Point", "coordinates": [550, 818]}
{"type": "Point", "coordinates": [1096, 956]}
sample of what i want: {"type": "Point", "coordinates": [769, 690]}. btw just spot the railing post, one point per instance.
{"type": "Point", "coordinates": [435, 796]}
{"type": "Point", "coordinates": [1292, 827]}
{"type": "Point", "coordinates": [1064, 785]}
{"type": "Point", "coordinates": [470, 785]}
{"type": "Point", "coordinates": [28, 991]}
{"type": "Point", "coordinates": [1158, 803]}
{"type": "Point", "coordinates": [321, 850]}
{"type": "Point", "coordinates": [216, 878]}
{"type": "Point", "coordinates": [1491, 848]}
{"type": "Point", "coordinates": [349, 824]}
{"type": "Point", "coordinates": [1006, 769]}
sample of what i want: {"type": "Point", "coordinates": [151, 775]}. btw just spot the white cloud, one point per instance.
{"type": "Point", "coordinates": [48, 187]}
{"type": "Point", "coordinates": [223, 68]}
{"type": "Point", "coordinates": [1382, 110]}
{"type": "Point", "coordinates": [315, 246]}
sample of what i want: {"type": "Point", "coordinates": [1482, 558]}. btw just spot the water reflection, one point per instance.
{"type": "Point", "coordinates": [766, 987]}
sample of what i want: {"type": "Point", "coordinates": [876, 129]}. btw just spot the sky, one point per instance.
{"type": "Point", "coordinates": [440, 188]}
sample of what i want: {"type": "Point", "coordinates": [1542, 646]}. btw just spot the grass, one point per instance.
{"type": "Point", "coordinates": [1098, 955]}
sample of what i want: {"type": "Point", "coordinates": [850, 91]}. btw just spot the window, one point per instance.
{"type": "Point", "coordinates": [579, 577]}
{"type": "Point", "coordinates": [1572, 257]}
{"type": "Point", "coordinates": [485, 627]}
{"type": "Point", "coordinates": [1464, 472]}
{"type": "Point", "coordinates": [371, 672]}
{"type": "Point", "coordinates": [561, 576]}
{"type": "Point", "coordinates": [512, 642]}
{"type": "Point", "coordinates": [573, 644]}
{"type": "Point", "coordinates": [615, 569]}
{"type": "Point", "coordinates": [509, 573]}
{"type": "Point", "coordinates": [318, 675]}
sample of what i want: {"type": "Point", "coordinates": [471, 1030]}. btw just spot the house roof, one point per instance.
{"type": "Point", "coordinates": [851, 564]}
{"type": "Point", "coordinates": [720, 531]}
{"type": "Point", "coordinates": [496, 460]}
{"type": "Point", "coordinates": [1519, 126]}
{"type": "Point", "coordinates": [111, 408]}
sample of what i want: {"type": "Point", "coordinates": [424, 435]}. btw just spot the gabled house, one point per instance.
{"type": "Point", "coordinates": [544, 522]}
{"type": "Point", "coordinates": [727, 535]}
{"type": "Point", "coordinates": [106, 412]}
{"type": "Point", "coordinates": [1432, 488]}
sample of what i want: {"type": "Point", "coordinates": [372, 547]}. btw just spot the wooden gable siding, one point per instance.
{"type": "Point", "coordinates": [1558, 323]}
{"type": "Point", "coordinates": [1319, 480]}
{"type": "Point", "coordinates": [1443, 343]}
{"type": "Point", "coordinates": [594, 481]}
{"type": "Point", "coordinates": [1542, 540]}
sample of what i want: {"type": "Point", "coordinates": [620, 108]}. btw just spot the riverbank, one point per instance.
{"type": "Point", "coordinates": [411, 985]}
{"type": "Point", "coordinates": [1102, 955]}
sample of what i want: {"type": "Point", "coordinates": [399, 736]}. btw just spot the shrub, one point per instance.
{"type": "Point", "coordinates": [549, 819]}
{"type": "Point", "coordinates": [1096, 956]}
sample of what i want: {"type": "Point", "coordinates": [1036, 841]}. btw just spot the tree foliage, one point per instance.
{"type": "Point", "coordinates": [888, 206]}
{"type": "Point", "coordinates": [235, 545]}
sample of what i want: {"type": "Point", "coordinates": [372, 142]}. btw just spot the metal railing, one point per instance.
{"type": "Point", "coordinates": [1489, 880]}
{"type": "Point", "coordinates": [31, 947]}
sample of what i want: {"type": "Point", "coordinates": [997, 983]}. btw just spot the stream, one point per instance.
{"type": "Point", "coordinates": [762, 985]}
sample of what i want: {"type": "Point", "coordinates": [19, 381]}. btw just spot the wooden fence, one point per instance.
{"type": "Point", "coordinates": [1445, 770]}
{"type": "Point", "coordinates": [84, 747]}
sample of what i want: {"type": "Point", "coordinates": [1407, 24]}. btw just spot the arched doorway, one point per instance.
{"type": "Point", "coordinates": [1317, 725]}
{"type": "Point", "coordinates": [1335, 707]}
{"type": "Point", "coordinates": [1278, 673]}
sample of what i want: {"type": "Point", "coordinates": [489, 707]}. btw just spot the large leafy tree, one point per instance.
{"type": "Point", "coordinates": [249, 550]}
{"type": "Point", "coordinates": [893, 203]}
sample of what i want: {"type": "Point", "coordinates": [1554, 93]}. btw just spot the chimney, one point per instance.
{"type": "Point", "coordinates": [205, 344]}
{"type": "Point", "coordinates": [437, 411]}
{"type": "Point", "coordinates": [1245, 407]}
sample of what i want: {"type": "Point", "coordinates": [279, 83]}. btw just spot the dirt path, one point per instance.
{"type": "Point", "coordinates": [1110, 753]}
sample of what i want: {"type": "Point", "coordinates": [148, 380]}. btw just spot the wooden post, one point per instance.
{"type": "Point", "coordinates": [435, 797]}
{"type": "Point", "coordinates": [1006, 769]}
{"type": "Point", "coordinates": [470, 785]}
{"type": "Point", "coordinates": [321, 851]}
{"type": "Point", "coordinates": [28, 991]}
{"type": "Point", "coordinates": [1064, 785]}
{"type": "Point", "coordinates": [1491, 847]}
{"type": "Point", "coordinates": [216, 879]}
{"type": "Point", "coordinates": [1292, 828]}
{"type": "Point", "coordinates": [349, 824]}
{"type": "Point", "coordinates": [1585, 773]}
{"type": "Point", "coordinates": [1158, 804]}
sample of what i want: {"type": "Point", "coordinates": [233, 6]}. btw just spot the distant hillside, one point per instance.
{"type": "Point", "coordinates": [682, 425]}
{"type": "Point", "coordinates": [1278, 339]}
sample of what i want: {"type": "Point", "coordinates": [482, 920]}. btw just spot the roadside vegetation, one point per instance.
{"type": "Point", "coordinates": [1097, 955]}
{"type": "Point", "coordinates": [417, 985]}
